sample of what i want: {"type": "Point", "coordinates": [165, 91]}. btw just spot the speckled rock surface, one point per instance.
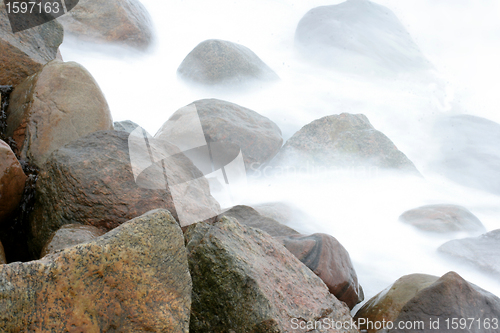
{"type": "Point", "coordinates": [245, 281]}
{"type": "Point", "coordinates": [12, 181]}
{"type": "Point", "coordinates": [133, 279]}
{"type": "Point", "coordinates": [69, 235]}
{"type": "Point", "coordinates": [55, 106]}
{"type": "Point", "coordinates": [326, 257]}
{"type": "Point", "coordinates": [340, 141]}
{"type": "Point", "coordinates": [216, 62]}
{"type": "Point", "coordinates": [24, 53]}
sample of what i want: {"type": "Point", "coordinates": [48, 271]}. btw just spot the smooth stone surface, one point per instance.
{"type": "Point", "coordinates": [3, 260]}
{"type": "Point", "coordinates": [125, 126]}
{"type": "Point", "coordinates": [69, 235]}
{"type": "Point", "coordinates": [133, 279]}
{"type": "Point", "coordinates": [12, 182]}
{"type": "Point", "coordinates": [53, 107]}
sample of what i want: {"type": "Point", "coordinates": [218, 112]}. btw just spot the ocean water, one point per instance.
{"type": "Point", "coordinates": [460, 38]}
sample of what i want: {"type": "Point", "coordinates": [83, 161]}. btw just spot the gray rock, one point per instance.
{"type": "Point", "coordinates": [125, 126]}
{"type": "Point", "coordinates": [69, 235]}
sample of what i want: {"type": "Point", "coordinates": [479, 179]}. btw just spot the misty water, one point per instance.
{"type": "Point", "coordinates": [360, 208]}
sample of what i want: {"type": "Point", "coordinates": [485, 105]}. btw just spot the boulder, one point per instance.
{"type": "Point", "coordinates": [3, 260]}
{"type": "Point", "coordinates": [386, 305]}
{"type": "Point", "coordinates": [219, 62]}
{"type": "Point", "coordinates": [133, 279]}
{"type": "Point", "coordinates": [482, 251]}
{"type": "Point", "coordinates": [358, 35]}
{"type": "Point", "coordinates": [250, 217]}
{"type": "Point", "coordinates": [24, 53]}
{"type": "Point", "coordinates": [125, 22]}
{"type": "Point", "coordinates": [258, 137]}
{"type": "Point", "coordinates": [469, 152]}
{"type": "Point", "coordinates": [329, 260]}
{"type": "Point", "coordinates": [125, 125]}
{"type": "Point", "coordinates": [12, 181]}
{"type": "Point", "coordinates": [340, 142]}
{"type": "Point", "coordinates": [443, 219]}
{"type": "Point", "coordinates": [91, 181]}
{"type": "Point", "coordinates": [57, 105]}
{"type": "Point", "coordinates": [69, 235]}
{"type": "Point", "coordinates": [245, 281]}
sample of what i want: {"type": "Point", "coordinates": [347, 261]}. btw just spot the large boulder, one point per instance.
{"type": "Point", "coordinates": [245, 281]}
{"type": "Point", "coordinates": [358, 35]}
{"type": "Point", "coordinates": [443, 219]}
{"type": "Point", "coordinates": [258, 137]}
{"type": "Point", "coordinates": [482, 251]}
{"type": "Point", "coordinates": [435, 305]}
{"type": "Point", "coordinates": [124, 22]}
{"type": "Point", "coordinates": [90, 181]}
{"type": "Point", "coordinates": [250, 217]}
{"type": "Point", "coordinates": [216, 62]}
{"type": "Point", "coordinates": [469, 151]}
{"type": "Point", "coordinates": [133, 279]}
{"type": "Point", "coordinates": [69, 235]}
{"type": "Point", "coordinates": [340, 142]}
{"type": "Point", "coordinates": [24, 53]}
{"type": "Point", "coordinates": [53, 107]}
{"type": "Point", "coordinates": [12, 181]}
{"type": "Point", "coordinates": [328, 259]}
{"type": "Point", "coordinates": [125, 125]}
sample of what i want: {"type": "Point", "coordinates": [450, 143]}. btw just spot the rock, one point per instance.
{"type": "Point", "coordinates": [250, 217]}
{"type": "Point", "coordinates": [329, 260]}
{"type": "Point", "coordinates": [219, 62]}
{"type": "Point", "coordinates": [284, 213]}
{"type": "Point", "coordinates": [124, 22]}
{"type": "Point", "coordinates": [12, 181]}
{"type": "Point", "coordinates": [69, 235]}
{"type": "Point", "coordinates": [339, 142]}
{"type": "Point", "coordinates": [386, 305]}
{"type": "Point", "coordinates": [245, 281]}
{"type": "Point", "coordinates": [482, 251]}
{"type": "Point", "coordinates": [358, 35]}
{"type": "Point", "coordinates": [57, 105]}
{"type": "Point", "coordinates": [257, 136]}
{"type": "Point", "coordinates": [3, 260]}
{"type": "Point", "coordinates": [90, 181]}
{"type": "Point", "coordinates": [443, 219]}
{"type": "Point", "coordinates": [133, 279]}
{"type": "Point", "coordinates": [24, 53]}
{"type": "Point", "coordinates": [125, 125]}
{"type": "Point", "coordinates": [469, 151]}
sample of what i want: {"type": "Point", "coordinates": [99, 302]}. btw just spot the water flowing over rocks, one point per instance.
{"type": "Point", "coordinates": [245, 281]}
{"type": "Point", "coordinates": [69, 235]}
{"type": "Point", "coordinates": [53, 107]}
{"type": "Point", "coordinates": [219, 62]}
{"type": "Point", "coordinates": [482, 251]}
{"type": "Point", "coordinates": [125, 22]}
{"type": "Point", "coordinates": [133, 279]}
{"type": "Point", "coordinates": [90, 181]}
{"type": "Point", "coordinates": [358, 35]}
{"type": "Point", "coordinates": [257, 136]}
{"type": "Point", "coordinates": [24, 53]}
{"type": "Point", "coordinates": [12, 182]}
{"type": "Point", "coordinates": [328, 259]}
{"type": "Point", "coordinates": [340, 142]}
{"type": "Point", "coordinates": [443, 219]}
{"type": "Point", "coordinates": [250, 217]}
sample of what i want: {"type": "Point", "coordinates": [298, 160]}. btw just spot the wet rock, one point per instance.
{"type": "Point", "coordinates": [257, 136]}
{"type": "Point", "coordinates": [329, 260]}
{"type": "Point", "coordinates": [12, 181]}
{"type": "Point", "coordinates": [250, 217]}
{"type": "Point", "coordinates": [245, 281]}
{"type": "Point", "coordinates": [482, 251]}
{"type": "Point", "coordinates": [125, 125]}
{"type": "Point", "coordinates": [340, 142]}
{"type": "Point", "coordinates": [69, 235]}
{"type": "Point", "coordinates": [358, 35]}
{"type": "Point", "coordinates": [3, 260]}
{"type": "Point", "coordinates": [133, 279]}
{"type": "Point", "coordinates": [387, 305]}
{"type": "Point", "coordinates": [53, 107]}
{"type": "Point", "coordinates": [114, 21]}
{"type": "Point", "coordinates": [90, 181]}
{"type": "Point", "coordinates": [24, 53]}
{"type": "Point", "coordinates": [215, 62]}
{"type": "Point", "coordinates": [443, 219]}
